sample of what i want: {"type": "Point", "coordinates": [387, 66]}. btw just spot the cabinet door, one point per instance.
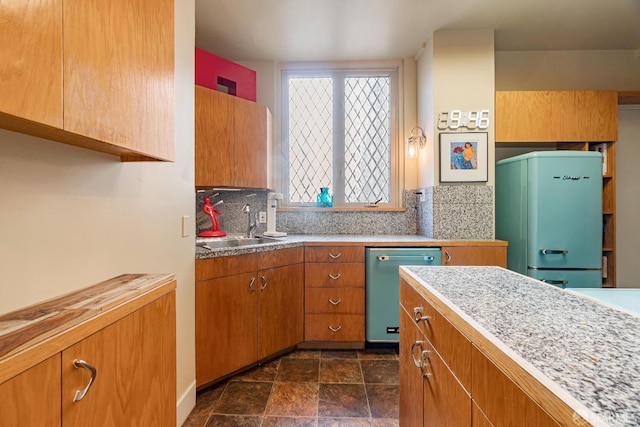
{"type": "Point", "coordinates": [446, 403]}
{"type": "Point", "coordinates": [135, 359]}
{"type": "Point", "coordinates": [410, 375]}
{"type": "Point", "coordinates": [523, 116]}
{"type": "Point", "coordinates": [226, 325]}
{"type": "Point", "coordinates": [501, 400]}
{"type": "Point", "coordinates": [31, 60]}
{"type": "Point", "coordinates": [475, 255]}
{"type": "Point", "coordinates": [250, 146]}
{"type": "Point", "coordinates": [280, 309]}
{"type": "Point", "coordinates": [118, 73]}
{"type": "Point", "coordinates": [32, 399]}
{"type": "Point", "coordinates": [214, 136]}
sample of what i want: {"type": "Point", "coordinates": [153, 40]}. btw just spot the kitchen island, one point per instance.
{"type": "Point", "coordinates": [526, 353]}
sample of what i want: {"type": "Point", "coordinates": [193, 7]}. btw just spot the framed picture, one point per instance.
{"type": "Point", "coordinates": [463, 157]}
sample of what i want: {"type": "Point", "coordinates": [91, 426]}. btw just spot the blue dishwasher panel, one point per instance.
{"type": "Point", "coordinates": [383, 287]}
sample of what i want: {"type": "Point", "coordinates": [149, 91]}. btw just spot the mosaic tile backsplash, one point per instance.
{"type": "Point", "coordinates": [445, 212]}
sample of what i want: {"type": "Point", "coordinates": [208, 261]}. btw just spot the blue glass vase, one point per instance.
{"type": "Point", "coordinates": [325, 200]}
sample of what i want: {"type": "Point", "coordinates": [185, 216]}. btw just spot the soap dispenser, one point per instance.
{"type": "Point", "coordinates": [272, 204]}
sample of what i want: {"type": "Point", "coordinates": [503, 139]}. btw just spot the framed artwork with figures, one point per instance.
{"type": "Point", "coordinates": [463, 157]}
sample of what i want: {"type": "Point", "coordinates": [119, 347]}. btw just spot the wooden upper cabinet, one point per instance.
{"type": "Point", "coordinates": [252, 125]}
{"type": "Point", "coordinates": [556, 116]}
{"type": "Point", "coordinates": [214, 138]}
{"type": "Point", "coordinates": [118, 74]}
{"type": "Point", "coordinates": [31, 61]}
{"type": "Point", "coordinates": [233, 138]}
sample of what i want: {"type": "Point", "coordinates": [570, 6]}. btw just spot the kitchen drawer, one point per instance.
{"type": "Point", "coordinates": [334, 327]}
{"type": "Point", "coordinates": [337, 254]}
{"type": "Point", "coordinates": [212, 268]}
{"type": "Point", "coordinates": [334, 300]}
{"type": "Point", "coordinates": [334, 275]}
{"type": "Point", "coordinates": [454, 347]}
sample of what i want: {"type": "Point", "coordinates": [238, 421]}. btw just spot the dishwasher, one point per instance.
{"type": "Point", "coordinates": [383, 288]}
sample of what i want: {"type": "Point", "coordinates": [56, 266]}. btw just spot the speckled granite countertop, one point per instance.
{"type": "Point", "coordinates": [586, 353]}
{"type": "Point", "coordinates": [293, 241]}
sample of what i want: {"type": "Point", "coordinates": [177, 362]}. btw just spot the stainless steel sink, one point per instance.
{"type": "Point", "coordinates": [234, 241]}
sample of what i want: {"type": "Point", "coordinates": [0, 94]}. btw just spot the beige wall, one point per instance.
{"type": "Point", "coordinates": [568, 70]}
{"type": "Point", "coordinates": [71, 217]}
{"type": "Point", "coordinates": [456, 72]}
{"type": "Point", "coordinates": [627, 200]}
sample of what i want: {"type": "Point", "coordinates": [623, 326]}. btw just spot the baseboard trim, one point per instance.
{"type": "Point", "coordinates": [186, 403]}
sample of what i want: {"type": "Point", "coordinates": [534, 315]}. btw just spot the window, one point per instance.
{"type": "Point", "coordinates": [338, 132]}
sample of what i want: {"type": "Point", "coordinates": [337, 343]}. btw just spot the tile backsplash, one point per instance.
{"type": "Point", "coordinates": [444, 212]}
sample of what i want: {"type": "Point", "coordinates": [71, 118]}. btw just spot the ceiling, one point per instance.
{"type": "Point", "coordinates": [316, 30]}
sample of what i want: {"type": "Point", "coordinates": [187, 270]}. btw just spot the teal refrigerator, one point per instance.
{"type": "Point", "coordinates": [549, 209]}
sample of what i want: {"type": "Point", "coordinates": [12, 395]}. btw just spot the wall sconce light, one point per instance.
{"type": "Point", "coordinates": [416, 139]}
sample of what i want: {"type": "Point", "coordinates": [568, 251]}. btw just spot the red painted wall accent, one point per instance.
{"type": "Point", "coordinates": [212, 70]}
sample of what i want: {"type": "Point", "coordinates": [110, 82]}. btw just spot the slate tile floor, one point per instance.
{"type": "Point", "coordinates": [314, 388]}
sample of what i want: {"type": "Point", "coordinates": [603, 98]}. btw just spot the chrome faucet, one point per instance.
{"type": "Point", "coordinates": [251, 227]}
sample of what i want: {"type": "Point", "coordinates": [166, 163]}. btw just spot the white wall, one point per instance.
{"type": "Point", "coordinates": [70, 217]}
{"type": "Point", "coordinates": [627, 198]}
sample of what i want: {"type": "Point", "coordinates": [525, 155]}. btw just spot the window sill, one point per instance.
{"type": "Point", "coordinates": [358, 209]}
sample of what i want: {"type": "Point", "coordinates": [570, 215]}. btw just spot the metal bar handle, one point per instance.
{"type": "Point", "coordinates": [416, 362]}
{"type": "Point", "coordinates": [80, 394]}
{"type": "Point", "coordinates": [335, 329]}
{"type": "Point", "coordinates": [336, 256]}
{"type": "Point", "coordinates": [335, 302]}
{"type": "Point", "coordinates": [426, 362]}
{"type": "Point", "coordinates": [407, 257]}
{"type": "Point", "coordinates": [417, 315]}
{"type": "Point", "coordinates": [253, 280]}
{"type": "Point", "coordinates": [553, 251]}
{"type": "Point", "coordinates": [335, 277]}
{"type": "Point", "coordinates": [555, 282]}
{"type": "Point", "coordinates": [264, 283]}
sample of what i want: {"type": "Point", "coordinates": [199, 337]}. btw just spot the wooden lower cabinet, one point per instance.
{"type": "Point", "coordinates": [225, 325]}
{"type": "Point", "coordinates": [335, 296]}
{"type": "Point", "coordinates": [475, 255]}
{"type": "Point", "coordinates": [501, 400]}
{"type": "Point", "coordinates": [135, 359]}
{"type": "Point", "coordinates": [444, 398]}
{"type": "Point", "coordinates": [430, 394]}
{"type": "Point", "coordinates": [32, 398]}
{"type": "Point", "coordinates": [280, 309]}
{"type": "Point", "coordinates": [123, 328]}
{"type": "Point", "coordinates": [243, 318]}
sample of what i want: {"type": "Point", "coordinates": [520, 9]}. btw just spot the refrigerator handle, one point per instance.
{"type": "Point", "coordinates": [555, 282]}
{"type": "Point", "coordinates": [553, 251]}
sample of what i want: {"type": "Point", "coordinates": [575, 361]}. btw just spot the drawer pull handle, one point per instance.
{"type": "Point", "coordinates": [253, 280]}
{"type": "Point", "coordinates": [336, 256]}
{"type": "Point", "coordinates": [426, 362]}
{"type": "Point", "coordinates": [80, 394]}
{"type": "Point", "coordinates": [449, 257]}
{"type": "Point", "coordinates": [417, 311]}
{"type": "Point", "coordinates": [264, 283]}
{"type": "Point", "coordinates": [335, 329]}
{"type": "Point", "coordinates": [335, 302]}
{"type": "Point", "coordinates": [416, 362]}
{"type": "Point", "coordinates": [335, 277]}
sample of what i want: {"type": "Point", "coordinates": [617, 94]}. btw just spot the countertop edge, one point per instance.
{"type": "Point", "coordinates": [559, 403]}
{"type": "Point", "coordinates": [292, 241]}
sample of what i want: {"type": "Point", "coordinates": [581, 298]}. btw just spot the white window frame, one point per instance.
{"type": "Point", "coordinates": [394, 69]}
